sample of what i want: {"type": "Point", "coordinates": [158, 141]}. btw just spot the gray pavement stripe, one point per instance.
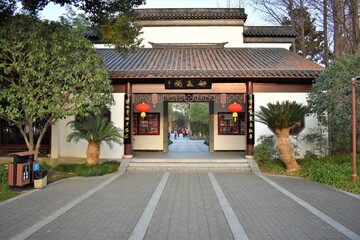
{"type": "Point", "coordinates": [36, 227]}
{"type": "Point", "coordinates": [234, 224]}
{"type": "Point", "coordinates": [144, 221]}
{"type": "Point", "coordinates": [338, 226]}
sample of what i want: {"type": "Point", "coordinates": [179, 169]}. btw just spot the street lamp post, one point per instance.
{"type": "Point", "coordinates": [354, 176]}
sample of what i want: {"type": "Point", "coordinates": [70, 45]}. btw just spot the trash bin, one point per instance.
{"type": "Point", "coordinates": [20, 171]}
{"type": "Point", "coordinates": [40, 179]}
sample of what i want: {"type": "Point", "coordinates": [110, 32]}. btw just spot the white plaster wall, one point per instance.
{"type": "Point", "coordinates": [261, 99]}
{"type": "Point", "coordinates": [55, 140]}
{"type": "Point", "coordinates": [69, 149]}
{"type": "Point", "coordinates": [226, 142]}
{"type": "Point", "coordinates": [61, 148]}
{"type": "Point", "coordinates": [151, 142]}
{"type": "Point", "coordinates": [117, 117]}
{"type": "Point", "coordinates": [188, 34]}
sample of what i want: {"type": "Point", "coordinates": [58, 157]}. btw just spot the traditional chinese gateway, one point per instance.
{"type": "Point", "coordinates": [199, 55]}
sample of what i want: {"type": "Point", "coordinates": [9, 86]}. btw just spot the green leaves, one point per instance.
{"type": "Point", "coordinates": [330, 99]}
{"type": "Point", "coordinates": [95, 128]}
{"type": "Point", "coordinates": [49, 71]}
{"type": "Point", "coordinates": [122, 32]}
{"type": "Point", "coordinates": [281, 115]}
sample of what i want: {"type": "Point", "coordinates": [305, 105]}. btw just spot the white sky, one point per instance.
{"type": "Point", "coordinates": [53, 12]}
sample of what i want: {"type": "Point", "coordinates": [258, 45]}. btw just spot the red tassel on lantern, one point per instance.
{"type": "Point", "coordinates": [235, 108]}
{"type": "Point", "coordinates": [143, 108]}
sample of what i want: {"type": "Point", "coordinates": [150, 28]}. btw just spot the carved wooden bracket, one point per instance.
{"type": "Point", "coordinates": [222, 98]}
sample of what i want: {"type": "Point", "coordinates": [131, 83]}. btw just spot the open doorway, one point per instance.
{"type": "Point", "coordinates": [189, 126]}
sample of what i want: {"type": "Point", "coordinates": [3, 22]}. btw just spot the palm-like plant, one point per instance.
{"type": "Point", "coordinates": [95, 130]}
{"type": "Point", "coordinates": [280, 118]}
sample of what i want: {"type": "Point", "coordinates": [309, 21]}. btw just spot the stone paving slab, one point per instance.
{"type": "Point", "coordinates": [18, 215]}
{"type": "Point", "coordinates": [188, 209]}
{"type": "Point", "coordinates": [341, 207]}
{"type": "Point", "coordinates": [265, 213]}
{"type": "Point", "coordinates": [110, 213]}
{"type": "Point", "coordinates": [189, 146]}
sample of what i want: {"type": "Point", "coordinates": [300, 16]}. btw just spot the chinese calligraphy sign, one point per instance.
{"type": "Point", "coordinates": [188, 84]}
{"type": "Point", "coordinates": [127, 119]}
{"type": "Point", "coordinates": [250, 119]}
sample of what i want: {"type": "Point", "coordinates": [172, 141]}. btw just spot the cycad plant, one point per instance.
{"type": "Point", "coordinates": [95, 130]}
{"type": "Point", "coordinates": [280, 118]}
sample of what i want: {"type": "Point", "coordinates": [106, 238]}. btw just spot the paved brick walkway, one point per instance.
{"type": "Point", "coordinates": [184, 144]}
{"type": "Point", "coordinates": [188, 207]}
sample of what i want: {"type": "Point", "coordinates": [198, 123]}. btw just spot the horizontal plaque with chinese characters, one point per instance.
{"type": "Point", "coordinates": [188, 84]}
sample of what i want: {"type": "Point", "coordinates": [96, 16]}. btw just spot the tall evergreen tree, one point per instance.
{"type": "Point", "coordinates": [312, 41]}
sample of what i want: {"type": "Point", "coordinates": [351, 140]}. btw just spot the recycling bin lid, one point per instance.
{"type": "Point", "coordinates": [22, 154]}
{"type": "Point", "coordinates": [40, 174]}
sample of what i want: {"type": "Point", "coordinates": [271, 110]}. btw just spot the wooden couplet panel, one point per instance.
{"type": "Point", "coordinates": [250, 120]}
{"type": "Point", "coordinates": [127, 119]}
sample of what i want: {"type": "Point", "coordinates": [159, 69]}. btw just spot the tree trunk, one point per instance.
{"type": "Point", "coordinates": [284, 144]}
{"type": "Point", "coordinates": [302, 28]}
{"type": "Point", "coordinates": [92, 153]}
{"type": "Point", "coordinates": [337, 12]}
{"type": "Point", "coordinates": [292, 19]}
{"type": "Point", "coordinates": [326, 42]}
{"type": "Point", "coordinates": [354, 12]}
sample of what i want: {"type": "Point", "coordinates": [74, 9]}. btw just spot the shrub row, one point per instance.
{"type": "Point", "coordinates": [87, 171]}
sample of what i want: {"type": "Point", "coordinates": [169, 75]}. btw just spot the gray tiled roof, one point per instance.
{"type": "Point", "coordinates": [203, 62]}
{"type": "Point", "coordinates": [268, 31]}
{"type": "Point", "coordinates": [91, 35]}
{"type": "Point", "coordinates": [190, 13]}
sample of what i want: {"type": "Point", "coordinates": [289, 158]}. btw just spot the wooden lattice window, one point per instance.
{"type": "Point", "coordinates": [297, 128]}
{"type": "Point", "coordinates": [227, 125]}
{"type": "Point", "coordinates": [149, 125]}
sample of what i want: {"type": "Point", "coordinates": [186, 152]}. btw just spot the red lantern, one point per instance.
{"type": "Point", "coordinates": [235, 108]}
{"type": "Point", "coordinates": [143, 108]}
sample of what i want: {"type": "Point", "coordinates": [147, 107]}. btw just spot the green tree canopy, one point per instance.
{"type": "Point", "coordinates": [113, 21]}
{"type": "Point", "coordinates": [199, 118]}
{"type": "Point", "coordinates": [48, 71]}
{"type": "Point", "coordinates": [330, 100]}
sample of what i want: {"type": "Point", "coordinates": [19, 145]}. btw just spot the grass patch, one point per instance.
{"type": "Point", "coordinates": [56, 176]}
{"type": "Point", "coordinates": [7, 195]}
{"type": "Point", "coordinates": [273, 166]}
{"type": "Point", "coordinates": [5, 191]}
{"type": "Point", "coordinates": [332, 170]}
{"type": "Point", "coordinates": [335, 171]}
{"type": "Point", "coordinates": [88, 171]}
